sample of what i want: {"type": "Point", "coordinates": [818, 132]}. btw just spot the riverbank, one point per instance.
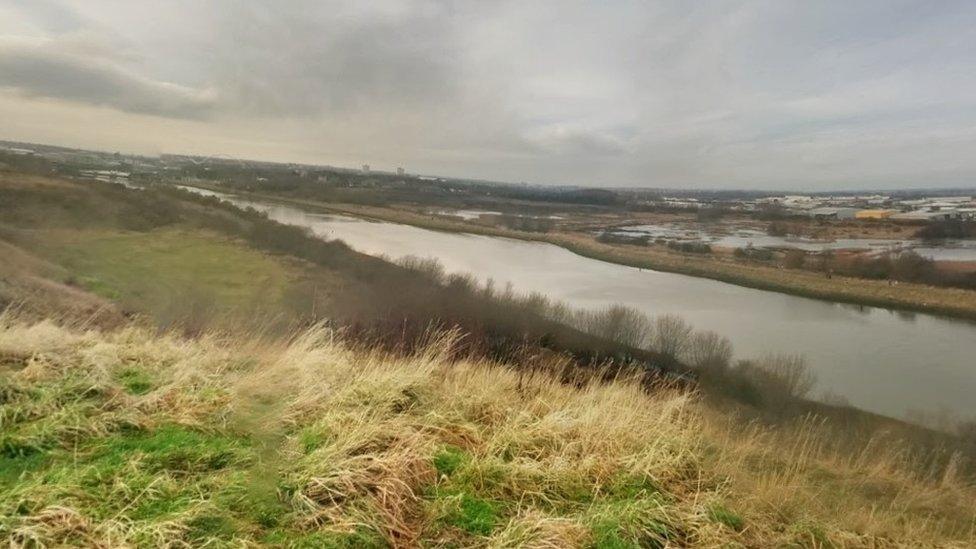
{"type": "Point", "coordinates": [951, 302]}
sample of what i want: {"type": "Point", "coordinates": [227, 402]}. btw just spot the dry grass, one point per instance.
{"type": "Point", "coordinates": [127, 438]}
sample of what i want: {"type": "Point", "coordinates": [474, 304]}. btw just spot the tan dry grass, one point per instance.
{"type": "Point", "coordinates": [354, 443]}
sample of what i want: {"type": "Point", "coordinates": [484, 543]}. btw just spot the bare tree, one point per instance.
{"type": "Point", "coordinates": [790, 373]}
{"type": "Point", "coordinates": [618, 323]}
{"type": "Point", "coordinates": [708, 350]}
{"type": "Point", "coordinates": [834, 399]}
{"type": "Point", "coordinates": [671, 335]}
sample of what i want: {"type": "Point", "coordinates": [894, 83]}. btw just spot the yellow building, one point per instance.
{"type": "Point", "coordinates": [874, 214]}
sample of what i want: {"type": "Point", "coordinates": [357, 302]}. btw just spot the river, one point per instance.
{"type": "Point", "coordinates": [880, 360]}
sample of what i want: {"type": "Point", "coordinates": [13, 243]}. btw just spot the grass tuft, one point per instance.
{"type": "Point", "coordinates": [449, 460]}
{"type": "Point", "coordinates": [722, 515]}
{"type": "Point", "coordinates": [136, 382]}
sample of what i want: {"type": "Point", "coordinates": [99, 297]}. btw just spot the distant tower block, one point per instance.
{"type": "Point", "coordinates": [401, 172]}
{"type": "Point", "coordinates": [365, 168]}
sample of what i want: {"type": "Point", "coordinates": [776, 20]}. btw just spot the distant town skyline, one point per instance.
{"type": "Point", "coordinates": [12, 145]}
{"type": "Point", "coordinates": [750, 94]}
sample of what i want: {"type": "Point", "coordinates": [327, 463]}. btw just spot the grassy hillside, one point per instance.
{"type": "Point", "coordinates": [173, 272]}
{"type": "Point", "coordinates": [531, 425]}
{"type": "Point", "coordinates": [123, 437]}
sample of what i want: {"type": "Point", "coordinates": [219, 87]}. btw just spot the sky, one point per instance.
{"type": "Point", "coordinates": [761, 94]}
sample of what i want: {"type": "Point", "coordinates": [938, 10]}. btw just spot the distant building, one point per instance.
{"type": "Point", "coordinates": [942, 214]}
{"type": "Point", "coordinates": [401, 172]}
{"type": "Point", "coordinates": [874, 214]}
{"type": "Point", "coordinates": [365, 168]}
{"type": "Point", "coordinates": [832, 213]}
{"type": "Point", "coordinates": [967, 213]}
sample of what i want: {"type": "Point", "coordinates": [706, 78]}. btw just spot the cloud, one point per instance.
{"type": "Point", "coordinates": [41, 69]}
{"type": "Point", "coordinates": [754, 93]}
{"type": "Point", "coordinates": [306, 58]}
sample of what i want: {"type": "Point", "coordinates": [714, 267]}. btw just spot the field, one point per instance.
{"type": "Point", "coordinates": [180, 276]}
{"type": "Point", "coordinates": [149, 268]}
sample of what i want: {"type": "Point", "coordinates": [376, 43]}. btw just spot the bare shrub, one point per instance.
{"type": "Point", "coordinates": [708, 350]}
{"type": "Point", "coordinates": [671, 335]}
{"type": "Point", "coordinates": [790, 372]}
{"type": "Point", "coordinates": [831, 398]}
{"type": "Point", "coordinates": [775, 382]}
{"type": "Point", "coordinates": [794, 259]}
{"type": "Point", "coordinates": [427, 266]}
{"type": "Point", "coordinates": [617, 323]}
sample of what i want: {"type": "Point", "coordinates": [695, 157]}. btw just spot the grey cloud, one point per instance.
{"type": "Point", "coordinates": [44, 71]}
{"type": "Point", "coordinates": [756, 93]}
{"type": "Point", "coordinates": [563, 140]}
{"type": "Point", "coordinates": [305, 58]}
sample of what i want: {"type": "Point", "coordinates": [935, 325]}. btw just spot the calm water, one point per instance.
{"type": "Point", "coordinates": [881, 360]}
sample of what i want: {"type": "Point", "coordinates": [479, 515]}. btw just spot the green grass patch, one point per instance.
{"type": "Point", "coordinates": [205, 528]}
{"type": "Point", "coordinates": [630, 487]}
{"type": "Point", "coordinates": [722, 515]}
{"type": "Point", "coordinates": [361, 538]}
{"type": "Point", "coordinates": [136, 382]}
{"type": "Point", "coordinates": [607, 534]}
{"type": "Point", "coordinates": [638, 523]}
{"type": "Point", "coordinates": [168, 269]}
{"type": "Point", "coordinates": [171, 447]}
{"type": "Point", "coordinates": [12, 469]}
{"type": "Point", "coordinates": [449, 460]}
{"type": "Point", "coordinates": [474, 515]}
{"type": "Point", "coordinates": [311, 439]}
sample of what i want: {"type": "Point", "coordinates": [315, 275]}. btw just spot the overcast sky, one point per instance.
{"type": "Point", "coordinates": [753, 93]}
